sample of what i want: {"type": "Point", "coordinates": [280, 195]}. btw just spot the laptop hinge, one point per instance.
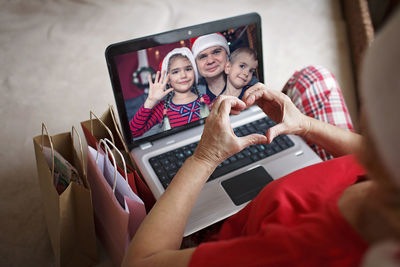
{"type": "Point", "coordinates": [146, 145]}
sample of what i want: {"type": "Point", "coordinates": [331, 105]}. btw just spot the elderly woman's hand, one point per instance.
{"type": "Point", "coordinates": [218, 141]}
{"type": "Point", "coordinates": [279, 108]}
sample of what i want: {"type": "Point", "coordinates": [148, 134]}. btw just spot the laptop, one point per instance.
{"type": "Point", "coordinates": [159, 153]}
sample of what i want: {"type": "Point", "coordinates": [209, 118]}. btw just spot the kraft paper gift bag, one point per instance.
{"type": "Point", "coordinates": [66, 199]}
{"type": "Point", "coordinates": [118, 211]}
{"type": "Point", "coordinates": [107, 127]}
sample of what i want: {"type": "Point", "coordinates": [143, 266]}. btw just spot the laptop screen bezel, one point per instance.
{"type": "Point", "coordinates": [168, 37]}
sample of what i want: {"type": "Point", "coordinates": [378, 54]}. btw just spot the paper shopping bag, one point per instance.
{"type": "Point", "coordinates": [107, 127]}
{"type": "Point", "coordinates": [122, 190]}
{"type": "Point", "coordinates": [136, 183]}
{"type": "Point", "coordinates": [69, 215]}
{"type": "Point", "coordinates": [116, 219]}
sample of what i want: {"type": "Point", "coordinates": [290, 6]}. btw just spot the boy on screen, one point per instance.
{"type": "Point", "coordinates": [239, 71]}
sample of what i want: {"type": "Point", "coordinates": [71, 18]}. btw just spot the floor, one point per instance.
{"type": "Point", "coordinates": [53, 70]}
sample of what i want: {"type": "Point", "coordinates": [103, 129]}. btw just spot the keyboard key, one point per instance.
{"type": "Point", "coordinates": [271, 123]}
{"type": "Point", "coordinates": [164, 178]}
{"type": "Point", "coordinates": [171, 174]}
{"type": "Point", "coordinates": [253, 149]}
{"type": "Point", "coordinates": [237, 132]}
{"type": "Point", "coordinates": [276, 148]}
{"type": "Point", "coordinates": [171, 167]}
{"type": "Point", "coordinates": [155, 164]}
{"type": "Point", "coordinates": [246, 152]}
{"type": "Point", "coordinates": [262, 126]}
{"type": "Point", "coordinates": [164, 181]}
{"type": "Point", "coordinates": [245, 132]}
{"type": "Point", "coordinates": [172, 158]}
{"type": "Point", "coordinates": [187, 153]}
{"type": "Point", "coordinates": [179, 155]}
{"type": "Point", "coordinates": [261, 147]}
{"type": "Point", "coordinates": [255, 123]}
{"type": "Point", "coordinates": [167, 167]}
{"type": "Point", "coordinates": [241, 128]}
{"type": "Point", "coordinates": [255, 157]}
{"type": "Point", "coordinates": [174, 166]}
{"type": "Point", "coordinates": [251, 129]}
{"type": "Point", "coordinates": [160, 171]}
{"type": "Point", "coordinates": [283, 145]}
{"type": "Point", "coordinates": [288, 141]}
{"type": "Point", "coordinates": [230, 167]}
{"type": "Point", "coordinates": [193, 145]}
{"type": "Point", "coordinates": [179, 163]}
{"type": "Point", "coordinates": [165, 161]}
{"type": "Point", "coordinates": [262, 155]}
{"type": "Point", "coordinates": [269, 151]}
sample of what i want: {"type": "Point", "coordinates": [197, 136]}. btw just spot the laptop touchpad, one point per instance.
{"type": "Point", "coordinates": [246, 186]}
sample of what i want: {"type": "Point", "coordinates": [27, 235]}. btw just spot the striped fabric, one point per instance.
{"type": "Point", "coordinates": [316, 93]}
{"type": "Point", "coordinates": [178, 115]}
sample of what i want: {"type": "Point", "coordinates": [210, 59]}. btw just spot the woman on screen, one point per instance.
{"type": "Point", "coordinates": [177, 83]}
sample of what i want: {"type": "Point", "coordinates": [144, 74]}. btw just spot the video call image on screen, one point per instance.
{"type": "Point", "coordinates": [187, 93]}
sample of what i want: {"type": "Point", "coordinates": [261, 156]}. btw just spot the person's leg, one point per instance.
{"type": "Point", "coordinates": [315, 92]}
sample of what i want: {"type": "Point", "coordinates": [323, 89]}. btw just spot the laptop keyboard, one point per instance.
{"type": "Point", "coordinates": [167, 165]}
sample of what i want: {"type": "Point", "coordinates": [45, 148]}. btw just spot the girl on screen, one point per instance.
{"type": "Point", "coordinates": [177, 83]}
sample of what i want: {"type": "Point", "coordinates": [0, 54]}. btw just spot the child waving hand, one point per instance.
{"type": "Point", "coordinates": [173, 96]}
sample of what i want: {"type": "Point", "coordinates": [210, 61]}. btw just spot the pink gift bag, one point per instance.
{"type": "Point", "coordinates": [118, 210]}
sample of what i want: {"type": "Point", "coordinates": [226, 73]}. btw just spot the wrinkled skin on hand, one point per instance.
{"type": "Point", "coordinates": [279, 108]}
{"type": "Point", "coordinates": [218, 140]}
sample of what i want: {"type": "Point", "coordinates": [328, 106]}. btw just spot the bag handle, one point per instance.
{"type": "Point", "coordinates": [118, 130]}
{"type": "Point", "coordinates": [102, 123]}
{"type": "Point", "coordinates": [105, 140]}
{"type": "Point", "coordinates": [80, 147]}
{"type": "Point", "coordinates": [112, 112]}
{"type": "Point", "coordinates": [44, 128]}
{"type": "Point", "coordinates": [108, 149]}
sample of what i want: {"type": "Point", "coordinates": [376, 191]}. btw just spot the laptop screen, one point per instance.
{"type": "Point", "coordinates": [201, 61]}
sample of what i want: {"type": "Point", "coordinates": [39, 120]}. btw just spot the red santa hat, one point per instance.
{"type": "Point", "coordinates": [184, 51]}
{"type": "Point", "coordinates": [206, 41]}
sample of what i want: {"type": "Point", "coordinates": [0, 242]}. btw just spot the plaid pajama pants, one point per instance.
{"type": "Point", "coordinates": [316, 93]}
